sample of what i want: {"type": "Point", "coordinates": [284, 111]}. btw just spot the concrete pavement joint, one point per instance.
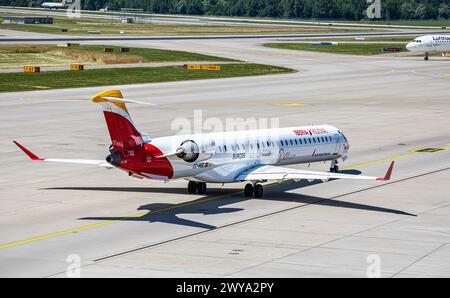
{"type": "Point", "coordinates": [420, 259]}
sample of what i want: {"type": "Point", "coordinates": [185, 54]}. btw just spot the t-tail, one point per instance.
{"type": "Point", "coordinates": [121, 128]}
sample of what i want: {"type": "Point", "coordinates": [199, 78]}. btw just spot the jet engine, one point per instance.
{"type": "Point", "coordinates": [189, 151]}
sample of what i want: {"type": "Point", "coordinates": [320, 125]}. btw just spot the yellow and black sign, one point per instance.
{"type": "Point", "coordinates": [31, 69]}
{"type": "Point", "coordinates": [76, 67]}
{"type": "Point", "coordinates": [210, 67]}
{"type": "Point", "coordinates": [192, 67]}
{"type": "Point", "coordinates": [202, 67]}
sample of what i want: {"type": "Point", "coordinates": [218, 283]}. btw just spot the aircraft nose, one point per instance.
{"type": "Point", "coordinates": [409, 46]}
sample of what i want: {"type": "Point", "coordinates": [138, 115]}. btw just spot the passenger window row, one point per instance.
{"type": "Point", "coordinates": [281, 143]}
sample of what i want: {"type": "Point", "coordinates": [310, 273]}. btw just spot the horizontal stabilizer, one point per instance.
{"type": "Point", "coordinates": [115, 99]}
{"type": "Point", "coordinates": [32, 156]}
{"type": "Point", "coordinates": [27, 152]}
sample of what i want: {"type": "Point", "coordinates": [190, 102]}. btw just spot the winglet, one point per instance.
{"type": "Point", "coordinates": [387, 177]}
{"type": "Point", "coordinates": [28, 152]}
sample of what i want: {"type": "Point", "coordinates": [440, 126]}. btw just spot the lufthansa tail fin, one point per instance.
{"type": "Point", "coordinates": [121, 128]}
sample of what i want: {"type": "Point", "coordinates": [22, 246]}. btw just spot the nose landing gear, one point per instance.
{"type": "Point", "coordinates": [334, 168]}
{"type": "Point", "coordinates": [427, 57]}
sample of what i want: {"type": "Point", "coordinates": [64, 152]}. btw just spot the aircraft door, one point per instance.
{"type": "Point", "coordinates": [337, 141]}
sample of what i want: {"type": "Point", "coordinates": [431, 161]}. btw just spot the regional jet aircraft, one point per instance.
{"type": "Point", "coordinates": [253, 156]}
{"type": "Point", "coordinates": [430, 44]}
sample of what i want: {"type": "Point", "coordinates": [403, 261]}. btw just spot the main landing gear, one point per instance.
{"type": "Point", "coordinates": [199, 187]}
{"type": "Point", "coordinates": [334, 168]}
{"type": "Point", "coordinates": [250, 189]}
{"type": "Point", "coordinates": [256, 190]}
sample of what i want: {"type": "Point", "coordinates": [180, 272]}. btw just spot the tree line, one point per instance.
{"type": "Point", "coordinates": [316, 9]}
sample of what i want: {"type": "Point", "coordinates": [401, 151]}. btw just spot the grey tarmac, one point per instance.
{"type": "Point", "coordinates": [388, 106]}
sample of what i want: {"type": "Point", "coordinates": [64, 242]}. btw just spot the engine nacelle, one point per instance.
{"type": "Point", "coordinates": [189, 151]}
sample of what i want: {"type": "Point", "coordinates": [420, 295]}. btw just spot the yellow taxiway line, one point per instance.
{"type": "Point", "coordinates": [65, 232]}
{"type": "Point", "coordinates": [104, 223]}
{"type": "Point", "coordinates": [410, 153]}
{"type": "Point", "coordinates": [379, 161]}
{"type": "Point", "coordinates": [290, 104]}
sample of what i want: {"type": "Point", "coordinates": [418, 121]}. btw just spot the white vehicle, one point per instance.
{"type": "Point", "coordinates": [54, 5]}
{"type": "Point", "coordinates": [253, 156]}
{"type": "Point", "coordinates": [430, 44]}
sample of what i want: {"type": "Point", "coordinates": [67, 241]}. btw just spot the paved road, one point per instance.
{"type": "Point", "coordinates": [67, 38]}
{"type": "Point", "coordinates": [388, 106]}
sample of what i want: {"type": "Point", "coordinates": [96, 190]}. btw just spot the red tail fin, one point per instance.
{"type": "Point", "coordinates": [120, 126]}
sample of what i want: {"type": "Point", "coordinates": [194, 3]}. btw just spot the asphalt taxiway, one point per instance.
{"type": "Point", "coordinates": [391, 108]}
{"type": "Point", "coordinates": [43, 37]}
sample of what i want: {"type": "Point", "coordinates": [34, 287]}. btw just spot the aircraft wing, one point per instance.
{"type": "Point", "coordinates": [267, 172]}
{"type": "Point", "coordinates": [100, 163]}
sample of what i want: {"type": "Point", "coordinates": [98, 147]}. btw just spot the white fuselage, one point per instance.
{"type": "Point", "coordinates": [241, 149]}
{"type": "Point", "coordinates": [430, 44]}
{"type": "Point", "coordinates": [53, 5]}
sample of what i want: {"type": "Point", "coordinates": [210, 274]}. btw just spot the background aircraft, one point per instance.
{"type": "Point", "coordinates": [430, 44]}
{"type": "Point", "coordinates": [54, 5]}
{"type": "Point", "coordinates": [254, 156]}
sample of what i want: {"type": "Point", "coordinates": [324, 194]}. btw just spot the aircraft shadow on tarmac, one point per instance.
{"type": "Point", "coordinates": [168, 213]}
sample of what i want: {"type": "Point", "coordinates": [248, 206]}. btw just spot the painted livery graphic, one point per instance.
{"type": "Point", "coordinates": [312, 131]}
